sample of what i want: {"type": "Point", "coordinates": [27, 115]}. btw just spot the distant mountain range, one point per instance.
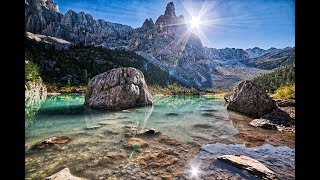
{"type": "Point", "coordinates": [166, 43]}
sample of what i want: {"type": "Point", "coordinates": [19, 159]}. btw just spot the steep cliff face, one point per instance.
{"type": "Point", "coordinates": [43, 17]}
{"type": "Point", "coordinates": [39, 14]}
{"type": "Point", "coordinates": [170, 41]}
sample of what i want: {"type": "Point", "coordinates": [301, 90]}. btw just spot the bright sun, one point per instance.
{"type": "Point", "coordinates": [195, 22]}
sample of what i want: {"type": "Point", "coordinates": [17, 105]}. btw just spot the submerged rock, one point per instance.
{"type": "Point", "coordinates": [133, 131]}
{"type": "Point", "coordinates": [132, 142]}
{"type": "Point", "coordinates": [120, 88]}
{"type": "Point", "coordinates": [263, 123]}
{"type": "Point", "coordinates": [51, 142]}
{"type": "Point", "coordinates": [249, 164]}
{"type": "Point", "coordinates": [172, 114]}
{"type": "Point", "coordinates": [251, 99]}
{"type": "Point", "coordinates": [149, 131]}
{"type": "Point", "coordinates": [64, 174]}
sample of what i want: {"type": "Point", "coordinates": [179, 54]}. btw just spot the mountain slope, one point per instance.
{"type": "Point", "coordinates": [273, 60]}
{"type": "Point", "coordinates": [78, 63]}
{"type": "Point", "coordinates": [278, 77]}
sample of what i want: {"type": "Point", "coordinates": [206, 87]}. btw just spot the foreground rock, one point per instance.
{"type": "Point", "coordinates": [263, 123]}
{"type": "Point", "coordinates": [285, 103]}
{"type": "Point", "coordinates": [52, 141]}
{"type": "Point", "coordinates": [64, 174]}
{"type": "Point", "coordinates": [251, 165]}
{"type": "Point", "coordinates": [118, 89]}
{"type": "Point", "coordinates": [250, 99]}
{"type": "Point", "coordinates": [279, 159]}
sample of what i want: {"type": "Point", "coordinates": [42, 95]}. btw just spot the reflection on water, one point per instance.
{"type": "Point", "coordinates": [32, 105]}
{"type": "Point", "coordinates": [191, 120]}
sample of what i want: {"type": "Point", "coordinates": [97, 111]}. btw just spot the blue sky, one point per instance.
{"type": "Point", "coordinates": [233, 23]}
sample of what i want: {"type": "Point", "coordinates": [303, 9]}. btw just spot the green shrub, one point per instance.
{"type": "Point", "coordinates": [31, 71]}
{"type": "Point", "coordinates": [285, 92]}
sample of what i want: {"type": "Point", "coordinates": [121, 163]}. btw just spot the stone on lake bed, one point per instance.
{"type": "Point", "coordinates": [208, 114]}
{"type": "Point", "coordinates": [64, 174]}
{"type": "Point", "coordinates": [249, 164]}
{"type": "Point", "coordinates": [51, 141]}
{"type": "Point", "coordinates": [263, 123]}
{"type": "Point", "coordinates": [148, 131]}
{"type": "Point", "coordinates": [172, 114]}
{"type": "Point", "coordinates": [209, 110]}
{"type": "Point", "coordinates": [205, 126]}
{"type": "Point", "coordinates": [93, 127]}
{"type": "Point", "coordinates": [132, 142]}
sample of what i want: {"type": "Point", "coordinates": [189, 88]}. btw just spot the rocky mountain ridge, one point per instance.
{"type": "Point", "coordinates": [167, 41]}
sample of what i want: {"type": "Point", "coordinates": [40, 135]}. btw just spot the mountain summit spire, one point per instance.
{"type": "Point", "coordinates": [170, 10]}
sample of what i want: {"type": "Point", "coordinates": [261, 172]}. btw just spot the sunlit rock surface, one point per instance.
{"type": "Point", "coordinates": [280, 160]}
{"type": "Point", "coordinates": [117, 89]}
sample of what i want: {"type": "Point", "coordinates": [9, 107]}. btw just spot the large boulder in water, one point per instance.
{"type": "Point", "coordinates": [251, 99]}
{"type": "Point", "coordinates": [117, 89]}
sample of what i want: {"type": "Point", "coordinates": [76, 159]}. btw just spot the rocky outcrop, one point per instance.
{"type": "Point", "coordinates": [35, 92]}
{"type": "Point", "coordinates": [56, 42]}
{"type": "Point", "coordinates": [117, 89]}
{"type": "Point", "coordinates": [251, 99]}
{"type": "Point", "coordinates": [64, 174]}
{"type": "Point", "coordinates": [148, 24]}
{"type": "Point", "coordinates": [39, 14]}
{"type": "Point", "coordinates": [43, 17]}
{"type": "Point", "coordinates": [249, 164]}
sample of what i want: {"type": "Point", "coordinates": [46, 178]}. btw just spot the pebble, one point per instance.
{"type": "Point", "coordinates": [143, 175]}
{"type": "Point", "coordinates": [149, 177]}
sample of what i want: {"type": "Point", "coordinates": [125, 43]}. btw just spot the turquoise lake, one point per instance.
{"type": "Point", "coordinates": [201, 119]}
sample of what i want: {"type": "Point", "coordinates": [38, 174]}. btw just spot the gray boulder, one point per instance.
{"type": "Point", "coordinates": [117, 89]}
{"type": "Point", "coordinates": [251, 99]}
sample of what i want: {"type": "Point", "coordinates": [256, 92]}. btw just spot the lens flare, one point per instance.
{"type": "Point", "coordinates": [195, 22]}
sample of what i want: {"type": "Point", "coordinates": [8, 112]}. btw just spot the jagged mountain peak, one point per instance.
{"type": "Point", "coordinates": [148, 24]}
{"type": "Point", "coordinates": [170, 10]}
{"type": "Point", "coordinates": [47, 4]}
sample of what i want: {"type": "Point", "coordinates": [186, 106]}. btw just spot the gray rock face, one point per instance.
{"type": "Point", "coordinates": [251, 165]}
{"type": "Point", "coordinates": [39, 14]}
{"type": "Point", "coordinates": [64, 174]}
{"type": "Point", "coordinates": [119, 88]}
{"type": "Point", "coordinates": [56, 42]}
{"type": "Point", "coordinates": [43, 17]}
{"type": "Point", "coordinates": [35, 91]}
{"type": "Point", "coordinates": [251, 99]}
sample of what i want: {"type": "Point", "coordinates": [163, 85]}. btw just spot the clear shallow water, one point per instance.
{"type": "Point", "coordinates": [94, 134]}
{"type": "Point", "coordinates": [173, 115]}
